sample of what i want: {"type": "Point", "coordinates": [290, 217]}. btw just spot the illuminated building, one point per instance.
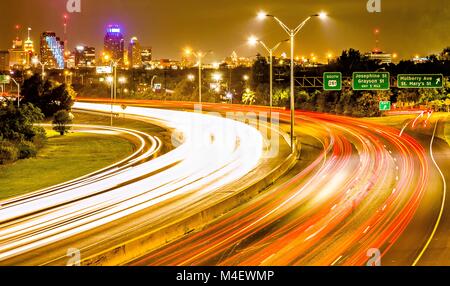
{"type": "Point", "coordinates": [235, 61]}
{"type": "Point", "coordinates": [4, 60]}
{"type": "Point", "coordinates": [52, 51]}
{"type": "Point", "coordinates": [29, 49]}
{"type": "Point", "coordinates": [114, 45]}
{"type": "Point", "coordinates": [135, 53]}
{"type": "Point", "coordinates": [146, 56]}
{"type": "Point", "coordinates": [84, 56]}
{"type": "Point", "coordinates": [17, 55]}
{"type": "Point", "coordinates": [379, 56]}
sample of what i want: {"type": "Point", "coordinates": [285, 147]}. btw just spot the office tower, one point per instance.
{"type": "Point", "coordinates": [135, 53]}
{"type": "Point", "coordinates": [52, 51]}
{"type": "Point", "coordinates": [114, 45]}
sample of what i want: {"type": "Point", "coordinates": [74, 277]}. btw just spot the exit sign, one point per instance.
{"type": "Point", "coordinates": [332, 81]}
{"type": "Point", "coordinates": [385, 105]}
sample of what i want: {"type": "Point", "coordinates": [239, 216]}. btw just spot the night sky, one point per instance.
{"type": "Point", "coordinates": [408, 27]}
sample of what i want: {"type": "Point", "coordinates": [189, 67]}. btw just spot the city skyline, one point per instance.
{"type": "Point", "coordinates": [340, 32]}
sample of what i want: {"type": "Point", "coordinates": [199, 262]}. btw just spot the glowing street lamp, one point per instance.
{"type": "Point", "coordinates": [200, 56]}
{"type": "Point", "coordinates": [9, 78]}
{"type": "Point", "coordinates": [122, 80]}
{"type": "Point", "coordinates": [217, 77]}
{"type": "Point", "coordinates": [292, 33]}
{"type": "Point", "coordinates": [35, 61]}
{"type": "Point", "coordinates": [191, 77]}
{"type": "Point", "coordinates": [253, 41]}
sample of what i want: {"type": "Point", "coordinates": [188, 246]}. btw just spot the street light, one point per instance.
{"type": "Point", "coordinates": [35, 61]}
{"type": "Point", "coordinates": [112, 79]}
{"type": "Point", "coordinates": [292, 33]}
{"type": "Point", "coordinates": [200, 56]}
{"type": "Point", "coordinates": [217, 77]}
{"type": "Point", "coordinates": [122, 80]}
{"type": "Point", "coordinates": [253, 41]}
{"type": "Point", "coordinates": [191, 77]}
{"type": "Point", "coordinates": [18, 89]}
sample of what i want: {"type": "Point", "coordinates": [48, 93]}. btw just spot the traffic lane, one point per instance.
{"type": "Point", "coordinates": [438, 252]}
{"type": "Point", "coordinates": [177, 252]}
{"type": "Point", "coordinates": [409, 246]}
{"type": "Point", "coordinates": [189, 261]}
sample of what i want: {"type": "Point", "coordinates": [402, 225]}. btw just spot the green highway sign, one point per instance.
{"type": "Point", "coordinates": [332, 81]}
{"type": "Point", "coordinates": [371, 81]}
{"type": "Point", "coordinates": [420, 81]}
{"type": "Point", "coordinates": [385, 105]}
{"type": "Point", "coordinates": [5, 79]}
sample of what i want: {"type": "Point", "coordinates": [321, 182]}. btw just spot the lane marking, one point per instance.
{"type": "Point", "coordinates": [443, 199]}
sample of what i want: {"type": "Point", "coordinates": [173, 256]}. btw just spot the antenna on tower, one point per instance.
{"type": "Point", "coordinates": [65, 29]}
{"type": "Point", "coordinates": [29, 30]}
{"type": "Point", "coordinates": [376, 33]}
{"type": "Point", "coordinates": [17, 31]}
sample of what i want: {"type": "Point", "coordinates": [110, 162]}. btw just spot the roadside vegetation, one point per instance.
{"type": "Point", "coordinates": [61, 159]}
{"type": "Point", "coordinates": [19, 137]}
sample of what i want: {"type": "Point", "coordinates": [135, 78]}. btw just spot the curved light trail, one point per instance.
{"type": "Point", "coordinates": [213, 152]}
{"type": "Point", "coordinates": [360, 194]}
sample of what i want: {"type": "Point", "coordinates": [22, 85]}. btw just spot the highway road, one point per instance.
{"type": "Point", "coordinates": [358, 197]}
{"type": "Point", "coordinates": [368, 188]}
{"type": "Point", "coordinates": [212, 153]}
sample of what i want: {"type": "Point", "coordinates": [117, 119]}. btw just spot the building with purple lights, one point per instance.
{"type": "Point", "coordinates": [114, 45]}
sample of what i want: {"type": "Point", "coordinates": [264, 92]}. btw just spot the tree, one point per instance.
{"type": "Point", "coordinates": [249, 97]}
{"type": "Point", "coordinates": [19, 138]}
{"type": "Point", "coordinates": [49, 96]}
{"type": "Point", "coordinates": [17, 124]}
{"type": "Point", "coordinates": [184, 91]}
{"type": "Point", "coordinates": [352, 60]}
{"type": "Point", "coordinates": [61, 121]}
{"type": "Point", "coordinates": [367, 105]}
{"type": "Point", "coordinates": [447, 103]}
{"type": "Point", "coordinates": [281, 97]}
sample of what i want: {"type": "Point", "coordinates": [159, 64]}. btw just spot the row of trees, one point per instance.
{"type": "Point", "coordinates": [20, 138]}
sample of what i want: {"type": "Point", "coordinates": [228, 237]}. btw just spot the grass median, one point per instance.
{"type": "Point", "coordinates": [62, 159]}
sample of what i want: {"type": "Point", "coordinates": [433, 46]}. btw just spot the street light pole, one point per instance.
{"type": "Point", "coordinates": [18, 91]}
{"type": "Point", "coordinates": [200, 56]}
{"type": "Point", "coordinates": [200, 78]}
{"type": "Point", "coordinates": [292, 33]}
{"type": "Point", "coordinates": [113, 87]}
{"type": "Point", "coordinates": [36, 61]}
{"type": "Point", "coordinates": [271, 52]}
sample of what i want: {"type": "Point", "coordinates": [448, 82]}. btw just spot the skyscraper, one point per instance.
{"type": "Point", "coordinates": [114, 45]}
{"type": "Point", "coordinates": [29, 49]}
{"type": "Point", "coordinates": [134, 53]}
{"type": "Point", "coordinates": [52, 51]}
